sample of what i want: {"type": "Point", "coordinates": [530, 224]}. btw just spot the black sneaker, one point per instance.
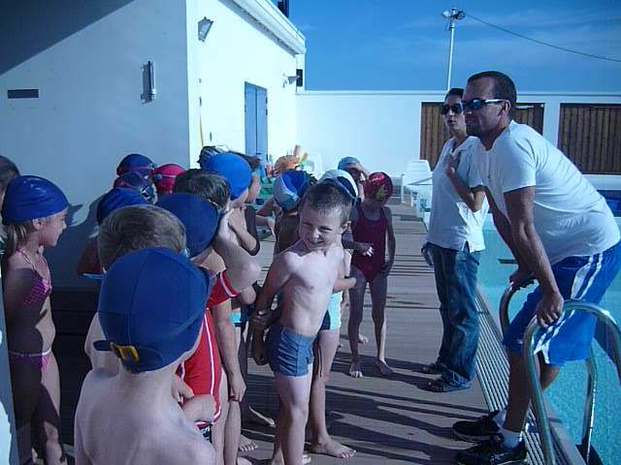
{"type": "Point", "coordinates": [483, 429]}
{"type": "Point", "coordinates": [492, 452]}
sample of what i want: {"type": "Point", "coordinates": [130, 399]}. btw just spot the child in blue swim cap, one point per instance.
{"type": "Point", "coordinates": [151, 308]}
{"type": "Point", "coordinates": [33, 214]}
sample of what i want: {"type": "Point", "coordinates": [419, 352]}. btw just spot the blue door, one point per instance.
{"type": "Point", "coordinates": [256, 121]}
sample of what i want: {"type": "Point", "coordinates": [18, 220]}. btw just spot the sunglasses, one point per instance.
{"type": "Point", "coordinates": [478, 103]}
{"type": "Point", "coordinates": [456, 108]}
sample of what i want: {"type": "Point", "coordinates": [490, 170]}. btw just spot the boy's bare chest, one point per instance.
{"type": "Point", "coordinates": [316, 274]}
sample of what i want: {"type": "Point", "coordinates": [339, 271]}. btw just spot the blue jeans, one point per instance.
{"type": "Point", "coordinates": [456, 282]}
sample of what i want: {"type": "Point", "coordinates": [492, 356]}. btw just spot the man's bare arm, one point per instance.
{"type": "Point", "coordinates": [528, 244]}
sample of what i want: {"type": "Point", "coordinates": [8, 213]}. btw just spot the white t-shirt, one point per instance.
{"type": "Point", "coordinates": [571, 217]}
{"type": "Point", "coordinates": [452, 223]}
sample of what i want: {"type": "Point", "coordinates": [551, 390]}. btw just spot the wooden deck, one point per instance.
{"type": "Point", "coordinates": [389, 421]}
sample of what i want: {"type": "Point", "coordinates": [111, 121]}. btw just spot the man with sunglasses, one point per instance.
{"type": "Point", "coordinates": [561, 233]}
{"type": "Point", "coordinates": [454, 242]}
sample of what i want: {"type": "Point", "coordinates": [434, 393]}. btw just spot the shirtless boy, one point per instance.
{"type": "Point", "coordinates": [151, 309]}
{"type": "Point", "coordinates": [305, 275]}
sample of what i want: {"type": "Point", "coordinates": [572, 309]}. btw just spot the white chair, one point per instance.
{"type": "Point", "coordinates": [416, 184]}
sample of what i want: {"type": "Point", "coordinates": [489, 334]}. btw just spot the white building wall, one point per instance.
{"type": "Point", "coordinates": [383, 129]}
{"type": "Point", "coordinates": [239, 49]}
{"type": "Point", "coordinates": [90, 112]}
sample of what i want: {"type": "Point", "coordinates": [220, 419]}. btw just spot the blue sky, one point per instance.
{"type": "Point", "coordinates": [403, 44]}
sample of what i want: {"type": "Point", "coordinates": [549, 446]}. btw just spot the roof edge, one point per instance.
{"type": "Point", "coordinates": [268, 15]}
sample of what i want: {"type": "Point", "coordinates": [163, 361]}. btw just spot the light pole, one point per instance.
{"type": "Point", "coordinates": [453, 15]}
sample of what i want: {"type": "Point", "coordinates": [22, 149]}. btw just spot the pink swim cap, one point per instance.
{"type": "Point", "coordinates": [378, 187]}
{"type": "Point", "coordinates": [165, 176]}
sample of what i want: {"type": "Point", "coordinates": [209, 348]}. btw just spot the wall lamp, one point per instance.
{"type": "Point", "coordinates": [204, 25]}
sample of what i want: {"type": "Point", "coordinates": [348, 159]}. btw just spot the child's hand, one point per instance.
{"type": "Point", "coordinates": [260, 319]}
{"type": "Point", "coordinates": [180, 390]}
{"type": "Point", "coordinates": [224, 230]}
{"type": "Point", "coordinates": [365, 248]}
{"type": "Point", "coordinates": [236, 219]}
{"type": "Point", "coordinates": [271, 223]}
{"type": "Point", "coordinates": [259, 353]}
{"type": "Point", "coordinates": [237, 387]}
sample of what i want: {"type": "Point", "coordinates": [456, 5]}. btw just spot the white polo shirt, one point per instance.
{"type": "Point", "coordinates": [571, 217]}
{"type": "Point", "coordinates": [452, 223]}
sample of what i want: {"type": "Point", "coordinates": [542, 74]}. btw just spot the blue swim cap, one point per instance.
{"type": "Point", "coordinates": [289, 188]}
{"type": "Point", "coordinates": [343, 180]}
{"type": "Point", "coordinates": [346, 162]}
{"type": "Point", "coordinates": [200, 218]}
{"type": "Point", "coordinates": [136, 162]}
{"type": "Point", "coordinates": [31, 197]}
{"type": "Point", "coordinates": [231, 167]}
{"type": "Point", "coordinates": [116, 198]}
{"type": "Point", "coordinates": [151, 308]}
{"type": "Point", "coordinates": [138, 182]}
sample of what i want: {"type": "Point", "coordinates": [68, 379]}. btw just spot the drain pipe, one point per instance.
{"type": "Point", "coordinates": [538, 402]}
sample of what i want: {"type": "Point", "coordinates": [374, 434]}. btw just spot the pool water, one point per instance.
{"type": "Point", "coordinates": [568, 393]}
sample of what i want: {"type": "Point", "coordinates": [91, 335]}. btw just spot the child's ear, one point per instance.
{"type": "Point", "coordinates": [37, 224]}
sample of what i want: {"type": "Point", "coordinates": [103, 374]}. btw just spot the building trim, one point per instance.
{"type": "Point", "coordinates": [270, 17]}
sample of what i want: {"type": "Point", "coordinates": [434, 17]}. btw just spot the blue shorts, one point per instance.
{"type": "Point", "coordinates": [332, 320]}
{"type": "Point", "coordinates": [288, 352]}
{"type": "Point", "coordinates": [578, 278]}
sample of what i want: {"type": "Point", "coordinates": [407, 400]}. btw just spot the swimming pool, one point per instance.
{"type": "Point", "coordinates": [567, 394]}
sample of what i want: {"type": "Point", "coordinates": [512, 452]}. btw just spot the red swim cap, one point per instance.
{"type": "Point", "coordinates": [378, 187]}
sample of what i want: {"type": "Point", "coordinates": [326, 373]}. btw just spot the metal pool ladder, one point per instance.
{"type": "Point", "coordinates": [539, 407]}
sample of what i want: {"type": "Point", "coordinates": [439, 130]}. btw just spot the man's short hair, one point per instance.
{"type": "Point", "coordinates": [209, 187]}
{"type": "Point", "coordinates": [326, 197]}
{"type": "Point", "coordinates": [138, 227]}
{"type": "Point", "coordinates": [456, 91]}
{"type": "Point", "coordinates": [504, 88]}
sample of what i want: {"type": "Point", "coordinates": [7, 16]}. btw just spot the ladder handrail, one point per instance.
{"type": "Point", "coordinates": [538, 402]}
{"type": "Point", "coordinates": [505, 300]}
{"type": "Point", "coordinates": [589, 406]}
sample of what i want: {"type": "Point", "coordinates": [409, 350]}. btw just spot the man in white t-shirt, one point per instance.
{"type": "Point", "coordinates": [454, 242]}
{"type": "Point", "coordinates": [560, 231]}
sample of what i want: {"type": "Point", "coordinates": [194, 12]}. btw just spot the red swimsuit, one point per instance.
{"type": "Point", "coordinates": [373, 232]}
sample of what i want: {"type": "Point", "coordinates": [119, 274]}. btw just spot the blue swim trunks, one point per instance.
{"type": "Point", "coordinates": [332, 320]}
{"type": "Point", "coordinates": [288, 352]}
{"type": "Point", "coordinates": [578, 278]}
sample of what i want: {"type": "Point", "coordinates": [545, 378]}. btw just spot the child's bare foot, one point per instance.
{"type": "Point", "coordinates": [333, 449]}
{"type": "Point", "coordinates": [258, 418]}
{"type": "Point", "coordinates": [246, 445]}
{"type": "Point", "coordinates": [362, 339]}
{"type": "Point", "coordinates": [383, 368]}
{"type": "Point", "coordinates": [355, 371]}
{"type": "Point", "coordinates": [279, 460]}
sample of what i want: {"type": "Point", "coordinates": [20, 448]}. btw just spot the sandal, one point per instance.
{"type": "Point", "coordinates": [439, 385]}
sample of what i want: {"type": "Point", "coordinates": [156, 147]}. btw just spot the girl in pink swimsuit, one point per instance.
{"type": "Point", "coordinates": [33, 213]}
{"type": "Point", "coordinates": [372, 231]}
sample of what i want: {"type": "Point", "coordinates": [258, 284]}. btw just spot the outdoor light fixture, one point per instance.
{"type": "Point", "coordinates": [453, 15]}
{"type": "Point", "coordinates": [204, 25]}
